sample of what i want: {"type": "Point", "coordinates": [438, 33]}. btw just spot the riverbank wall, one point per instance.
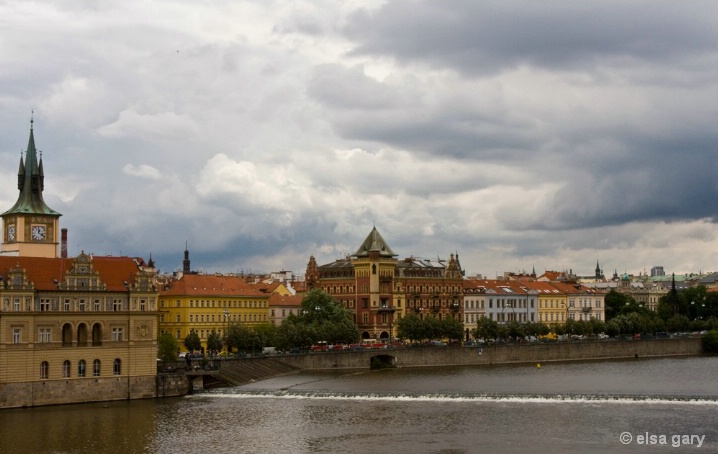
{"type": "Point", "coordinates": [499, 354]}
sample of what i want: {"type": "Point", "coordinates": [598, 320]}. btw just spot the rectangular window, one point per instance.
{"type": "Point", "coordinates": [82, 306]}
{"type": "Point", "coordinates": [178, 318]}
{"type": "Point", "coordinates": [16, 335]}
{"type": "Point", "coordinates": [44, 305]}
{"type": "Point", "coordinates": [96, 305]}
{"type": "Point", "coordinates": [117, 334]}
{"type": "Point", "coordinates": [117, 305]}
{"type": "Point", "coordinates": [44, 335]}
{"type": "Point", "coordinates": [96, 368]}
{"type": "Point", "coordinates": [143, 305]}
{"type": "Point", "coordinates": [16, 304]}
{"type": "Point", "coordinates": [178, 334]}
{"type": "Point", "coordinates": [66, 305]}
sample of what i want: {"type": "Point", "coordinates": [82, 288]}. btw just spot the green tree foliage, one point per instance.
{"type": "Point", "coordinates": [486, 328]}
{"type": "Point", "coordinates": [293, 333]}
{"type": "Point", "coordinates": [614, 302]}
{"type": "Point", "coordinates": [320, 318]}
{"type": "Point", "coordinates": [192, 342]}
{"type": "Point", "coordinates": [214, 342]}
{"type": "Point", "coordinates": [167, 347]}
{"type": "Point", "coordinates": [410, 328]}
{"type": "Point", "coordinates": [237, 338]}
{"type": "Point", "coordinates": [710, 342]}
{"type": "Point", "coordinates": [678, 322]}
{"type": "Point", "coordinates": [418, 329]}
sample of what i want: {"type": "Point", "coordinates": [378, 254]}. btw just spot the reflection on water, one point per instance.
{"type": "Point", "coordinates": [559, 408]}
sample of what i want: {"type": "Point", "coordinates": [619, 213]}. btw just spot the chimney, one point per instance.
{"type": "Point", "coordinates": [63, 243]}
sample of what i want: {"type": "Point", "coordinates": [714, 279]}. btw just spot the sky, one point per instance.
{"type": "Point", "coordinates": [521, 135]}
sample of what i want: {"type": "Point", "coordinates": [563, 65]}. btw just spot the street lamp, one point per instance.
{"type": "Point", "coordinates": [226, 324]}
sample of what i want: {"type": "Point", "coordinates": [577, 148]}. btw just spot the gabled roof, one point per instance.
{"type": "Point", "coordinates": [46, 273]}
{"type": "Point", "coordinates": [374, 243]}
{"type": "Point", "coordinates": [211, 285]}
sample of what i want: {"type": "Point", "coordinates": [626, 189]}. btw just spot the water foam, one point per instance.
{"type": "Point", "coordinates": [461, 397]}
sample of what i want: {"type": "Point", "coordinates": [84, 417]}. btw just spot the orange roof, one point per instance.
{"type": "Point", "coordinates": [277, 300]}
{"type": "Point", "coordinates": [45, 273]}
{"type": "Point", "coordinates": [496, 285]}
{"type": "Point", "coordinates": [211, 285]}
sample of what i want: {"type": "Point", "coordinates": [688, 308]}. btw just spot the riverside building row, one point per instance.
{"type": "Point", "coordinates": [85, 328]}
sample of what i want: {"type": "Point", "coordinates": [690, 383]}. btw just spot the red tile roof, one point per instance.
{"type": "Point", "coordinates": [277, 300]}
{"type": "Point", "coordinates": [45, 273]}
{"type": "Point", "coordinates": [211, 285]}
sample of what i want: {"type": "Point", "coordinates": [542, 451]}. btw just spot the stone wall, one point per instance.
{"type": "Point", "coordinates": [500, 354]}
{"type": "Point", "coordinates": [55, 392]}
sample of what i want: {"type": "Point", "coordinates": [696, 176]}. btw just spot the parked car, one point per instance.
{"type": "Point", "coordinates": [437, 343]}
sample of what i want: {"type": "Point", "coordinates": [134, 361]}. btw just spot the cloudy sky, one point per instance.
{"type": "Point", "coordinates": [520, 134]}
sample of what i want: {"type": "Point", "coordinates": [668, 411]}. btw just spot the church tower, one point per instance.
{"type": "Point", "coordinates": [30, 228]}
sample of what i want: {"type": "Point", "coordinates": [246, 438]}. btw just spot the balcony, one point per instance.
{"type": "Point", "coordinates": [586, 309]}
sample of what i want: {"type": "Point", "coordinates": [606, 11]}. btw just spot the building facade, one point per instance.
{"type": "Point", "coordinates": [71, 329]}
{"type": "Point", "coordinates": [379, 289]}
{"type": "Point", "coordinates": [206, 303]}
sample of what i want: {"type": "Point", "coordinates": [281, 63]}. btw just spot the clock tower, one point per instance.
{"type": "Point", "coordinates": [30, 228]}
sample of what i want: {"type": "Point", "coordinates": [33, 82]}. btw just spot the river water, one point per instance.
{"type": "Point", "coordinates": [645, 405]}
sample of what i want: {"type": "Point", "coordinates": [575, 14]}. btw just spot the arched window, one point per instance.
{"type": "Point", "coordinates": [66, 335]}
{"type": "Point", "coordinates": [117, 367]}
{"type": "Point", "coordinates": [82, 335]}
{"type": "Point", "coordinates": [44, 370]}
{"type": "Point", "coordinates": [66, 369]}
{"type": "Point", "coordinates": [96, 368]}
{"type": "Point", "coordinates": [96, 335]}
{"type": "Point", "coordinates": [81, 368]}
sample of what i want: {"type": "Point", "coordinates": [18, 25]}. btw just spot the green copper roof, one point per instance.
{"type": "Point", "coordinates": [31, 182]}
{"type": "Point", "coordinates": [374, 242]}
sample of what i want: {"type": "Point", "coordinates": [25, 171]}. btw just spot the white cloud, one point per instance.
{"type": "Point", "coordinates": [142, 171]}
{"type": "Point", "coordinates": [265, 132]}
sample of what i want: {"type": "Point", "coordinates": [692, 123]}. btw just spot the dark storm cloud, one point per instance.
{"type": "Point", "coordinates": [490, 36]}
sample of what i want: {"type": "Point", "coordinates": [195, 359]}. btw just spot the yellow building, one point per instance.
{"type": "Point", "coordinates": [552, 302]}
{"type": "Point", "coordinates": [71, 329]}
{"type": "Point", "coordinates": [206, 302]}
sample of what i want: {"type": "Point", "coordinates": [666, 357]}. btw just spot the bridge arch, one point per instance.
{"type": "Point", "coordinates": [382, 361]}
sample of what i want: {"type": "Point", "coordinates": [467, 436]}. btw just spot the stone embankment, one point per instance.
{"type": "Point", "coordinates": [240, 371]}
{"type": "Point", "coordinates": [499, 354]}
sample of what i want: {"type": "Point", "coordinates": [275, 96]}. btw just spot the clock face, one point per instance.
{"type": "Point", "coordinates": [38, 232]}
{"type": "Point", "coordinates": [11, 233]}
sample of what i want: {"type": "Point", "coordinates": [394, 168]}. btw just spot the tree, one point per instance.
{"type": "Point", "coordinates": [214, 342]}
{"type": "Point", "coordinates": [452, 328]}
{"type": "Point", "coordinates": [192, 342]}
{"type": "Point", "coordinates": [329, 321]}
{"type": "Point", "coordinates": [614, 302]}
{"type": "Point", "coordinates": [409, 327]}
{"type": "Point", "coordinates": [238, 337]}
{"type": "Point", "coordinates": [486, 328]}
{"type": "Point", "coordinates": [167, 347]}
{"type": "Point", "coordinates": [710, 342]}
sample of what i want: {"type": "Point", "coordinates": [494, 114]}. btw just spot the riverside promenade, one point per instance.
{"type": "Point", "coordinates": [497, 354]}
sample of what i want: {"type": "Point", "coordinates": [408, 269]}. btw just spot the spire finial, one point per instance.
{"type": "Point", "coordinates": [32, 118]}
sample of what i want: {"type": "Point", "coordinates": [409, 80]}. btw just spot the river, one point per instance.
{"type": "Point", "coordinates": [645, 405]}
